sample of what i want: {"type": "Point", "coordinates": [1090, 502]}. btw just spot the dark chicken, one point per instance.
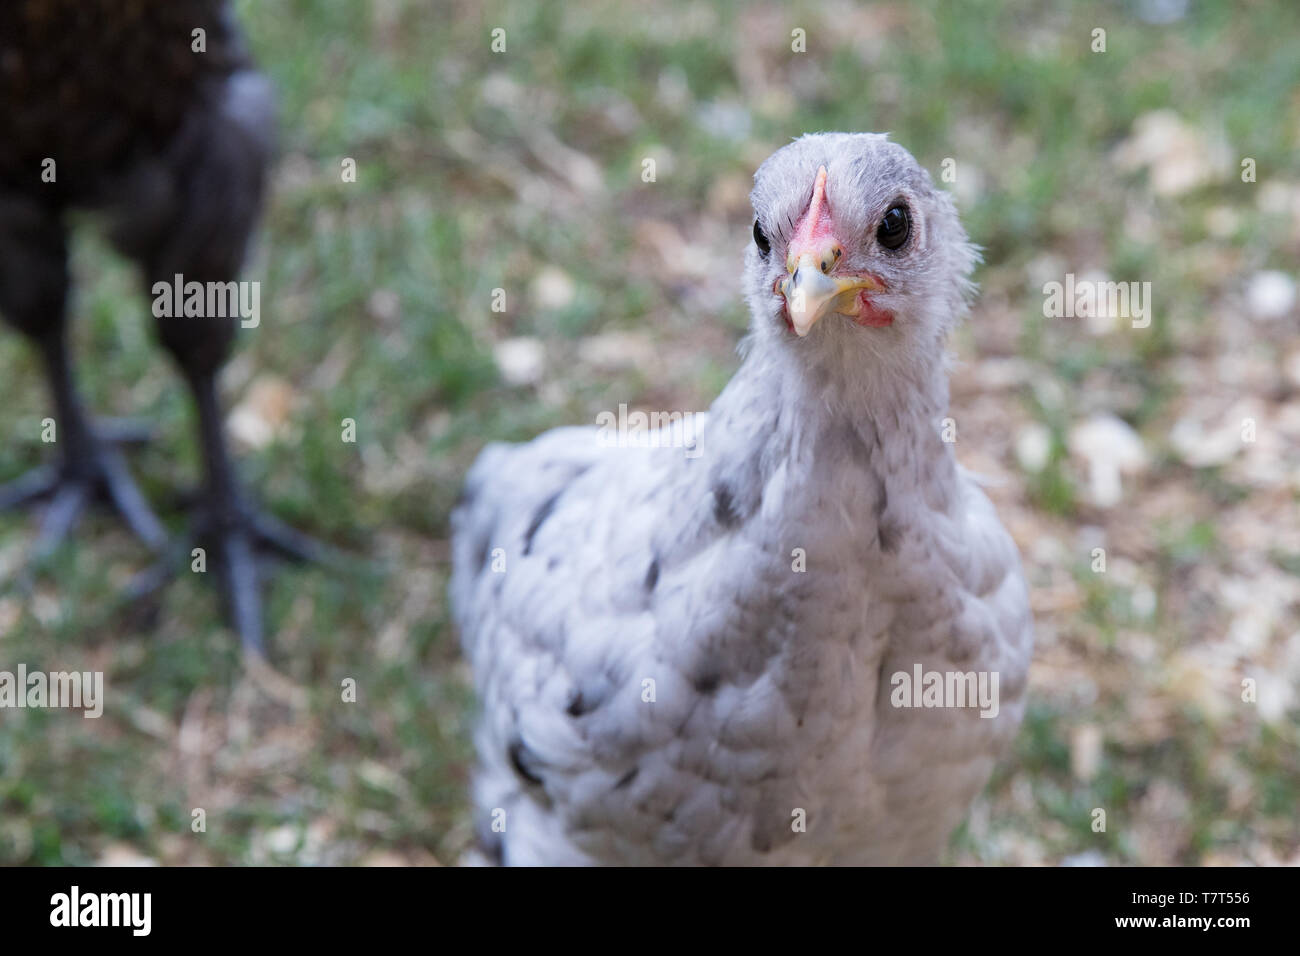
{"type": "Point", "coordinates": [107, 105]}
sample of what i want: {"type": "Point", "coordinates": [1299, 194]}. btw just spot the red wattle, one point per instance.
{"type": "Point", "coordinates": [871, 316]}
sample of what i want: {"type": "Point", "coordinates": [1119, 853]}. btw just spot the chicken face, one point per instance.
{"type": "Point", "coordinates": [849, 229]}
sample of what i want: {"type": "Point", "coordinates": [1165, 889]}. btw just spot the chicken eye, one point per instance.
{"type": "Point", "coordinates": [895, 227]}
{"type": "Point", "coordinates": [760, 240]}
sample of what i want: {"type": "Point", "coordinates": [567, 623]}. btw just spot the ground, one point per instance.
{"type": "Point", "coordinates": [525, 171]}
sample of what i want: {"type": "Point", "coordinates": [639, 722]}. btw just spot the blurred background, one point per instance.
{"type": "Point", "coordinates": [522, 171]}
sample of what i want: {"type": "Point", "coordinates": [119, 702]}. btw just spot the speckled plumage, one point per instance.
{"type": "Point", "coordinates": [771, 685]}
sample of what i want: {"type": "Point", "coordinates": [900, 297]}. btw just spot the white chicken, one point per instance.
{"type": "Point", "coordinates": [804, 637]}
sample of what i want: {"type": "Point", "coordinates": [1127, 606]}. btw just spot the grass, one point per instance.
{"type": "Point", "coordinates": [479, 171]}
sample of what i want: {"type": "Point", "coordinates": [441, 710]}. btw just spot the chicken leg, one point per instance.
{"type": "Point", "coordinates": [91, 465]}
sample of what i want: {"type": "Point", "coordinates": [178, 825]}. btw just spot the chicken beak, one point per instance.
{"type": "Point", "coordinates": [810, 293]}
